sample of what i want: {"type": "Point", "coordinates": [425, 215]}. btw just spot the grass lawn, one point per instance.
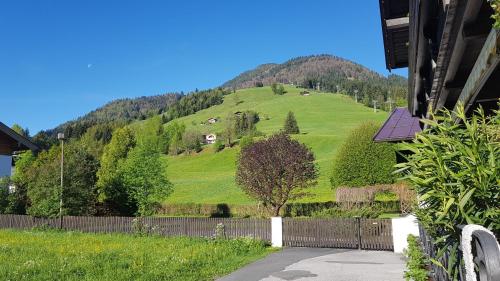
{"type": "Point", "coordinates": [38, 255]}
{"type": "Point", "coordinates": [324, 119]}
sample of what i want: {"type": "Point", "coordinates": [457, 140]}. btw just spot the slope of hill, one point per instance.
{"type": "Point", "coordinates": [324, 120]}
{"type": "Point", "coordinates": [329, 73]}
{"type": "Point", "coordinates": [122, 110]}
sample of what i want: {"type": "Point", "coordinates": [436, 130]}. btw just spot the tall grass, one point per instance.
{"type": "Point", "coordinates": [49, 255]}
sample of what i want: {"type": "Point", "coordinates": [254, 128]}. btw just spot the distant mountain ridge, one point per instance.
{"type": "Point", "coordinates": [301, 69]}
{"type": "Point", "coordinates": [330, 74]}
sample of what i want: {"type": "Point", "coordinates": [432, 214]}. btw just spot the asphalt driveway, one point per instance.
{"type": "Point", "coordinates": [317, 264]}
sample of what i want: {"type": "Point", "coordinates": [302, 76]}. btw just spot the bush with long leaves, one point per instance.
{"type": "Point", "coordinates": [455, 170]}
{"type": "Point", "coordinates": [495, 4]}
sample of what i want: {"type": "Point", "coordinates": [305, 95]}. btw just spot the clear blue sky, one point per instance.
{"type": "Point", "coordinates": [61, 59]}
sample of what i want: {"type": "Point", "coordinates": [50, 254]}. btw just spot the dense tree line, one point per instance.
{"type": "Point", "coordinates": [122, 110]}
{"type": "Point", "coordinates": [108, 171]}
{"type": "Point", "coordinates": [194, 102]}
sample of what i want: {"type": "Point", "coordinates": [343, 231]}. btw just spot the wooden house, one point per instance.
{"type": "Point", "coordinates": [451, 50]}
{"type": "Point", "coordinates": [10, 143]}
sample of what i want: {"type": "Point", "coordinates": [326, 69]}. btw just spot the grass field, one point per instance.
{"type": "Point", "coordinates": [324, 119]}
{"type": "Point", "coordinates": [37, 255]}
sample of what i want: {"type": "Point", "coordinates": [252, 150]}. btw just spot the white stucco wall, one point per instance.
{"type": "Point", "coordinates": [401, 228]}
{"type": "Point", "coordinates": [5, 165]}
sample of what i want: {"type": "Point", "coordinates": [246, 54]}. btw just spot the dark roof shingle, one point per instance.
{"type": "Point", "coordinates": [400, 126]}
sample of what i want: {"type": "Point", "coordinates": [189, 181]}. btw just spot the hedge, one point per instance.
{"type": "Point", "coordinates": [289, 210]}
{"type": "Point", "coordinates": [362, 162]}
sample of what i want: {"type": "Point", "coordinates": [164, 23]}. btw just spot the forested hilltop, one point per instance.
{"type": "Point", "coordinates": [327, 73]}
{"type": "Point", "coordinates": [122, 110]}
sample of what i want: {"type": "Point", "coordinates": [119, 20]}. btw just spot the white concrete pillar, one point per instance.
{"type": "Point", "coordinates": [277, 232]}
{"type": "Point", "coordinates": [401, 228]}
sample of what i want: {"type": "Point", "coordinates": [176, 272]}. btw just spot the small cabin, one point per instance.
{"type": "Point", "coordinates": [212, 120]}
{"type": "Point", "coordinates": [210, 138]}
{"type": "Point", "coordinates": [10, 143]}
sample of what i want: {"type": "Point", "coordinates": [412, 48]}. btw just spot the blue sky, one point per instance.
{"type": "Point", "coordinates": [61, 59]}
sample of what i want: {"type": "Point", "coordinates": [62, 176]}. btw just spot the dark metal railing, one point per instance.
{"type": "Point", "coordinates": [483, 255]}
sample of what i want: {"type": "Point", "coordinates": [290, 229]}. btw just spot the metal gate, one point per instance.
{"type": "Point", "coordinates": [353, 233]}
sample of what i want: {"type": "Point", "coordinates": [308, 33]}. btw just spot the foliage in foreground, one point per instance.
{"type": "Point", "coordinates": [454, 168]}
{"type": "Point", "coordinates": [71, 256]}
{"type": "Point", "coordinates": [495, 4]}
{"type": "Point", "coordinates": [276, 170]}
{"type": "Point", "coordinates": [40, 178]}
{"type": "Point", "coordinates": [416, 261]}
{"type": "Point", "coordinates": [362, 162]}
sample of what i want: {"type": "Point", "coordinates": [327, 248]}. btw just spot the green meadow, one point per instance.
{"type": "Point", "coordinates": [50, 255]}
{"type": "Point", "coordinates": [324, 119]}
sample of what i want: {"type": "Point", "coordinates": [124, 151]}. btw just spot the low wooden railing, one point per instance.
{"type": "Point", "coordinates": [193, 227]}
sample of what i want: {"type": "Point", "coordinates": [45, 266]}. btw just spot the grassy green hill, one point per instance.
{"type": "Point", "coordinates": [324, 120]}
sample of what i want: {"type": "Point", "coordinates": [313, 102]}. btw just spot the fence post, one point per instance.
{"type": "Point", "coordinates": [358, 222]}
{"type": "Point", "coordinates": [277, 231]}
{"type": "Point", "coordinates": [401, 228]}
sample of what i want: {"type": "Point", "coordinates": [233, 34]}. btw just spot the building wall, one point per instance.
{"type": "Point", "coordinates": [5, 165]}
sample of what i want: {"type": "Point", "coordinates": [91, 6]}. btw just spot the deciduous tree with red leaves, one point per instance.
{"type": "Point", "coordinates": [276, 170]}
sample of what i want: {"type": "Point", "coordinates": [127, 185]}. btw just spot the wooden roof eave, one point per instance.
{"type": "Point", "coordinates": [21, 141]}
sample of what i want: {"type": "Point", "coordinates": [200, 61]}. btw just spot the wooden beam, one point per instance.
{"type": "Point", "coordinates": [486, 63]}
{"type": "Point", "coordinates": [397, 23]}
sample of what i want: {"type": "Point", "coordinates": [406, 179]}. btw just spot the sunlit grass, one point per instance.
{"type": "Point", "coordinates": [325, 119]}
{"type": "Point", "coordinates": [37, 255]}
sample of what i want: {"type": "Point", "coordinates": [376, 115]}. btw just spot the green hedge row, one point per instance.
{"type": "Point", "coordinates": [289, 210]}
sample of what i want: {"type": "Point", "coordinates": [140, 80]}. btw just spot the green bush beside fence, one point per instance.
{"type": "Point", "coordinates": [322, 209]}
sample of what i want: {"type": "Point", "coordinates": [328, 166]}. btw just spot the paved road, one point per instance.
{"type": "Point", "coordinates": [315, 264]}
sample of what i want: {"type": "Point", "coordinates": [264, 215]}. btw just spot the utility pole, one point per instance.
{"type": "Point", "coordinates": [60, 137]}
{"type": "Point", "coordinates": [375, 106]}
{"type": "Point", "coordinates": [356, 95]}
{"type": "Point", "coordinates": [390, 102]}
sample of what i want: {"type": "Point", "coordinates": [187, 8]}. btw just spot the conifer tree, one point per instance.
{"type": "Point", "coordinates": [291, 126]}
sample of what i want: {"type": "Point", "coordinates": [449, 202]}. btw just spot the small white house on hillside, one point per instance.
{"type": "Point", "coordinates": [212, 120]}
{"type": "Point", "coordinates": [210, 138]}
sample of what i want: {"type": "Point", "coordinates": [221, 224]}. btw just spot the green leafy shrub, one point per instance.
{"type": "Point", "coordinates": [246, 141]}
{"type": "Point", "coordinates": [417, 262]}
{"type": "Point", "coordinates": [495, 4]}
{"type": "Point", "coordinates": [278, 89]}
{"type": "Point", "coordinates": [312, 208]}
{"type": "Point", "coordinates": [4, 194]}
{"type": "Point", "coordinates": [218, 146]}
{"type": "Point", "coordinates": [362, 162]}
{"type": "Point", "coordinates": [454, 169]}
{"type": "Point", "coordinates": [258, 210]}
{"type": "Point", "coordinates": [79, 187]}
{"type": "Point", "coordinates": [336, 212]}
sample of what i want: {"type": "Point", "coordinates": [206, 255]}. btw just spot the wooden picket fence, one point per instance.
{"type": "Point", "coordinates": [193, 227]}
{"type": "Point", "coordinates": [352, 233]}
{"type": "Point", "coordinates": [370, 234]}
